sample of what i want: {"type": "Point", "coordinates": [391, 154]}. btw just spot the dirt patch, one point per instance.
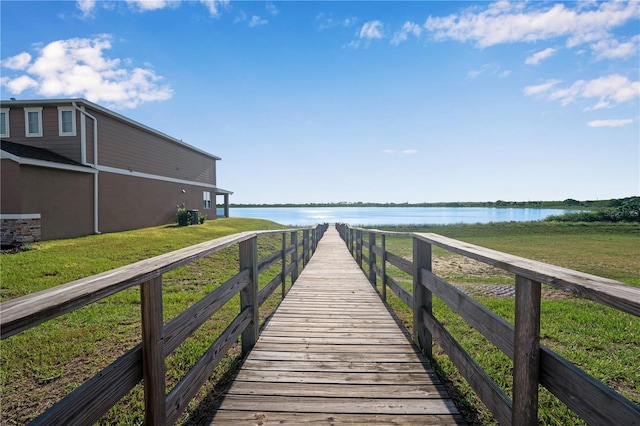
{"type": "Point", "coordinates": [466, 274]}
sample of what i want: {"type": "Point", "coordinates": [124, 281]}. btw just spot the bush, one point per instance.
{"type": "Point", "coordinates": [627, 210]}
{"type": "Point", "coordinates": [184, 217]}
{"type": "Point", "coordinates": [202, 219]}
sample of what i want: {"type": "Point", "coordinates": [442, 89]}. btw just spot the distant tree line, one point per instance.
{"type": "Point", "coordinates": [618, 210]}
{"type": "Point", "coordinates": [566, 204]}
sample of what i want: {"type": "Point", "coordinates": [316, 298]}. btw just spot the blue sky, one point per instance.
{"type": "Point", "coordinates": [357, 101]}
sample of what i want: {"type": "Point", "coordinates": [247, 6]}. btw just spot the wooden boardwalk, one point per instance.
{"type": "Point", "coordinates": [333, 354]}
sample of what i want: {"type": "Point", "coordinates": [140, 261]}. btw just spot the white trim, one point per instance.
{"type": "Point", "coordinates": [155, 177]}
{"type": "Point", "coordinates": [20, 216]}
{"type": "Point", "coordinates": [72, 110]}
{"type": "Point", "coordinates": [38, 134]}
{"type": "Point", "coordinates": [206, 200]}
{"type": "Point", "coordinates": [5, 111]}
{"type": "Point", "coordinates": [43, 163]}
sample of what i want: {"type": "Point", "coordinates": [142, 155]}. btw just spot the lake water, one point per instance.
{"type": "Point", "coordinates": [305, 216]}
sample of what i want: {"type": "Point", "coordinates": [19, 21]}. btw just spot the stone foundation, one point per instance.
{"type": "Point", "coordinates": [20, 229]}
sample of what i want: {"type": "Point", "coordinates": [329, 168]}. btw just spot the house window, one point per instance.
{"type": "Point", "coordinates": [66, 121]}
{"type": "Point", "coordinates": [33, 122]}
{"type": "Point", "coordinates": [4, 123]}
{"type": "Point", "coordinates": [206, 199]}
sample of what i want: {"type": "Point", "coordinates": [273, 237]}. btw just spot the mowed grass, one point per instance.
{"type": "Point", "coordinates": [41, 365]}
{"type": "Point", "coordinates": [602, 341]}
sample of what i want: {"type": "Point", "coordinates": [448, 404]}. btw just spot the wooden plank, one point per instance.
{"type": "Point", "coordinates": [526, 359]}
{"type": "Point", "coordinates": [248, 251]}
{"type": "Point", "coordinates": [153, 352]}
{"type": "Point", "coordinates": [340, 405]}
{"type": "Point", "coordinates": [402, 391]}
{"type": "Point", "coordinates": [347, 367]}
{"type": "Point", "coordinates": [266, 418]}
{"type": "Point", "coordinates": [405, 265]}
{"type": "Point", "coordinates": [609, 292]}
{"type": "Point", "coordinates": [400, 291]}
{"type": "Point", "coordinates": [190, 384]}
{"type": "Point", "coordinates": [28, 311]}
{"type": "Point", "coordinates": [406, 356]}
{"type": "Point", "coordinates": [333, 349]}
{"type": "Point", "coordinates": [488, 391]}
{"type": "Point", "coordinates": [182, 326]}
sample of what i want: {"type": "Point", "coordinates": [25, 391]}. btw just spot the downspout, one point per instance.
{"type": "Point", "coordinates": [95, 165]}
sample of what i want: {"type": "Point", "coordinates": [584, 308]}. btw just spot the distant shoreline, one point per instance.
{"type": "Point", "coordinates": [566, 204]}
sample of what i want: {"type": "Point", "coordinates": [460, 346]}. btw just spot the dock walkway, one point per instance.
{"type": "Point", "coordinates": [333, 354]}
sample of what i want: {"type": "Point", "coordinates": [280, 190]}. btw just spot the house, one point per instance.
{"type": "Point", "coordinates": [69, 167]}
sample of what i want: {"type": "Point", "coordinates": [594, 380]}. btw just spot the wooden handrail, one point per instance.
{"type": "Point", "coordinates": [87, 403]}
{"type": "Point", "coordinates": [533, 363]}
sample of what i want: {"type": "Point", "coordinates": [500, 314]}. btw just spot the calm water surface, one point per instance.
{"type": "Point", "coordinates": [305, 216]}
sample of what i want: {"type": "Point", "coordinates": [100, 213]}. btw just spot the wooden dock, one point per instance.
{"type": "Point", "coordinates": [333, 354]}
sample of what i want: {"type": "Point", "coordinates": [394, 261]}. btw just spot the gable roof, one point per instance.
{"type": "Point", "coordinates": [25, 151]}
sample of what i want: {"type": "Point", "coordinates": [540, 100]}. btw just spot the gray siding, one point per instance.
{"type": "Point", "coordinates": [138, 203]}
{"type": "Point", "coordinates": [68, 146]}
{"type": "Point", "coordinates": [135, 149]}
{"type": "Point", "coordinates": [63, 198]}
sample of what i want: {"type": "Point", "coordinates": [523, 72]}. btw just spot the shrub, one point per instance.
{"type": "Point", "coordinates": [184, 217]}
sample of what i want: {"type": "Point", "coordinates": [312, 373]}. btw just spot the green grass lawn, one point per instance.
{"type": "Point", "coordinates": [42, 364]}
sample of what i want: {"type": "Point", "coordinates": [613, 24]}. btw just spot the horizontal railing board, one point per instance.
{"type": "Point", "coordinates": [91, 400]}
{"type": "Point", "coordinates": [270, 260]}
{"type": "Point", "coordinates": [602, 290]}
{"type": "Point", "coordinates": [27, 311]}
{"type": "Point", "coordinates": [488, 391]}
{"type": "Point", "coordinates": [593, 401]}
{"type": "Point", "coordinates": [182, 326]}
{"type": "Point", "coordinates": [268, 289]}
{"type": "Point", "coordinates": [400, 291]}
{"type": "Point", "coordinates": [186, 389]}
{"type": "Point", "coordinates": [405, 265]}
{"type": "Point", "coordinates": [495, 328]}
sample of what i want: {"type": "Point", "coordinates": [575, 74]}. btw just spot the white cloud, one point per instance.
{"type": "Point", "coordinates": [613, 49]}
{"type": "Point", "coordinates": [86, 7]}
{"type": "Point", "coordinates": [507, 22]}
{"type": "Point", "coordinates": [493, 69]}
{"type": "Point", "coordinates": [371, 30]}
{"type": "Point", "coordinates": [213, 6]}
{"type": "Point", "coordinates": [539, 56]}
{"type": "Point", "coordinates": [410, 151]}
{"type": "Point", "coordinates": [272, 9]}
{"type": "Point", "coordinates": [256, 21]}
{"type": "Point", "coordinates": [148, 5]}
{"type": "Point", "coordinates": [78, 68]}
{"type": "Point", "coordinates": [612, 122]}
{"type": "Point", "coordinates": [327, 21]}
{"type": "Point", "coordinates": [608, 90]}
{"type": "Point", "coordinates": [407, 28]}
{"type": "Point", "coordinates": [17, 62]}
{"type": "Point", "coordinates": [540, 88]}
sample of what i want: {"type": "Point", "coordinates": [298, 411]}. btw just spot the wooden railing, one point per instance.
{"type": "Point", "coordinates": [533, 363]}
{"type": "Point", "coordinates": [91, 400]}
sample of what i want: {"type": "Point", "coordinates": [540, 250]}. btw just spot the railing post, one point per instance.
{"type": "Point", "coordinates": [421, 296]}
{"type": "Point", "coordinates": [294, 256]}
{"type": "Point", "coordinates": [153, 352]}
{"type": "Point", "coordinates": [383, 266]}
{"type": "Point", "coordinates": [526, 360]}
{"type": "Point", "coordinates": [372, 259]}
{"type": "Point", "coordinates": [305, 249]}
{"type": "Point", "coordinates": [283, 274]}
{"type": "Point", "coordinates": [249, 294]}
{"type": "Point", "coordinates": [350, 240]}
{"type": "Point", "coordinates": [359, 248]}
